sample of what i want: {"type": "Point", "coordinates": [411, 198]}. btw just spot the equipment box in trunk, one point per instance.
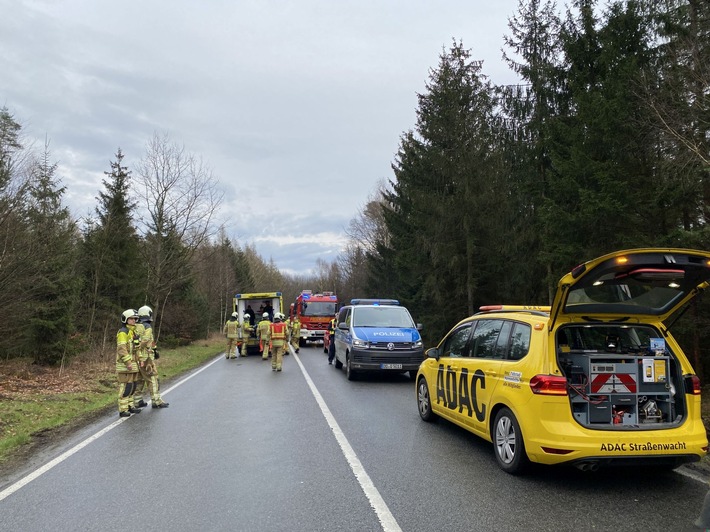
{"type": "Point", "coordinates": [610, 389]}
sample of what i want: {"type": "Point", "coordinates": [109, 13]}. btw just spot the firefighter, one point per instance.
{"type": "Point", "coordinates": [295, 333]}
{"type": "Point", "coordinates": [287, 323]}
{"type": "Point", "coordinates": [126, 363]}
{"type": "Point", "coordinates": [262, 333]}
{"type": "Point", "coordinates": [332, 325]}
{"type": "Point", "coordinates": [247, 331]}
{"type": "Point", "coordinates": [147, 354]}
{"type": "Point", "coordinates": [233, 332]}
{"type": "Point", "coordinates": [278, 338]}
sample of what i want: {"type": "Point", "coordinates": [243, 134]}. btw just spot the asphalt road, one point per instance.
{"type": "Point", "coordinates": [242, 448]}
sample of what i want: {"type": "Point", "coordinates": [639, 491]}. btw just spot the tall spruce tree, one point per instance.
{"type": "Point", "coordinates": [113, 269]}
{"type": "Point", "coordinates": [444, 195]}
{"type": "Point", "coordinates": [533, 53]}
{"type": "Point", "coordinates": [603, 155]}
{"type": "Point", "coordinates": [53, 285]}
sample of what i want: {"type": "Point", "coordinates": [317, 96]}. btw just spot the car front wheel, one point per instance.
{"type": "Point", "coordinates": [424, 401]}
{"type": "Point", "coordinates": [349, 371]}
{"type": "Point", "coordinates": [508, 443]}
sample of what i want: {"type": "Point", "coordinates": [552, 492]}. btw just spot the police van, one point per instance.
{"type": "Point", "coordinates": [377, 335]}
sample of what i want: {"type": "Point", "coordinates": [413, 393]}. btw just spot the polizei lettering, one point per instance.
{"type": "Point", "coordinates": [460, 393]}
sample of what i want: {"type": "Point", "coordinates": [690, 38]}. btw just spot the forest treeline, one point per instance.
{"type": "Point", "coordinates": [496, 192]}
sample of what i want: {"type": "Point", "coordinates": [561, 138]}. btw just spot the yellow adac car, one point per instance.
{"type": "Point", "coordinates": [594, 380]}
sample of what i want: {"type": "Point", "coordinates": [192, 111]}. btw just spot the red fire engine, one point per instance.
{"type": "Point", "coordinates": [314, 311]}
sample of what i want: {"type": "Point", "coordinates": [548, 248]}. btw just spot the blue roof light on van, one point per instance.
{"type": "Point", "coordinates": [375, 302]}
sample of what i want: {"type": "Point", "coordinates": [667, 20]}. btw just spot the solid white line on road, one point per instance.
{"type": "Point", "coordinates": [59, 459]}
{"type": "Point", "coordinates": [387, 520]}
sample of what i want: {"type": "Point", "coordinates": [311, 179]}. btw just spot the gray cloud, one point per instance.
{"type": "Point", "coordinates": [297, 107]}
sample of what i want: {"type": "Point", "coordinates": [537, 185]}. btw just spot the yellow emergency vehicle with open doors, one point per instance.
{"type": "Point", "coordinates": [595, 379]}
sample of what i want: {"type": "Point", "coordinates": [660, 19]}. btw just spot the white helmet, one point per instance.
{"type": "Point", "coordinates": [235, 315]}
{"type": "Point", "coordinates": [265, 315]}
{"type": "Point", "coordinates": [277, 317]}
{"type": "Point", "coordinates": [247, 317]}
{"type": "Point", "coordinates": [127, 314]}
{"type": "Point", "coordinates": [145, 312]}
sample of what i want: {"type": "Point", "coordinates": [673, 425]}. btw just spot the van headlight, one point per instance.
{"type": "Point", "coordinates": [361, 344]}
{"type": "Point", "coordinates": [418, 344]}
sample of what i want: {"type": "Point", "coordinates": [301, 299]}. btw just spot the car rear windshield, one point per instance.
{"type": "Point", "coordinates": [382, 317]}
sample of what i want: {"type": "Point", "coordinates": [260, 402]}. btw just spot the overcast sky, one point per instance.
{"type": "Point", "coordinates": [296, 106]}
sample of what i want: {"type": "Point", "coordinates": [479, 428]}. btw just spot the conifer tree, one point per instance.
{"type": "Point", "coordinates": [445, 194]}
{"type": "Point", "coordinates": [113, 271]}
{"type": "Point", "coordinates": [53, 286]}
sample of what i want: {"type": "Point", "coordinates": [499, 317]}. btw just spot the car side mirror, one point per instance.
{"type": "Point", "coordinates": [419, 326]}
{"type": "Point", "coordinates": [433, 352]}
{"type": "Point", "coordinates": [342, 325]}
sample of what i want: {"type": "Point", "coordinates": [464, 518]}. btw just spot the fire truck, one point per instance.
{"type": "Point", "coordinates": [314, 311]}
{"type": "Point", "coordinates": [255, 304]}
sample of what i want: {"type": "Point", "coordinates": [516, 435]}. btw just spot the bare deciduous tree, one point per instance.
{"type": "Point", "coordinates": [178, 199]}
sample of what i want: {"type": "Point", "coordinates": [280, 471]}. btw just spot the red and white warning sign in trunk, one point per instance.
{"type": "Point", "coordinates": [613, 378]}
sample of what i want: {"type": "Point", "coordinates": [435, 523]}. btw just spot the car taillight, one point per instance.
{"type": "Point", "coordinates": [692, 384]}
{"type": "Point", "coordinates": [548, 385]}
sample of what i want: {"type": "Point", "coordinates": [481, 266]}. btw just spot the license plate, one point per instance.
{"type": "Point", "coordinates": [390, 366]}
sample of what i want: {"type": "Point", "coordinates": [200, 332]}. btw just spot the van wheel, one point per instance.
{"type": "Point", "coordinates": [508, 443]}
{"type": "Point", "coordinates": [424, 401]}
{"type": "Point", "coordinates": [349, 371]}
{"type": "Point", "coordinates": [338, 363]}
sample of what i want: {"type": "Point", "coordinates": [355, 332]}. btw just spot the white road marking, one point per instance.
{"type": "Point", "coordinates": [387, 520]}
{"type": "Point", "coordinates": [59, 459]}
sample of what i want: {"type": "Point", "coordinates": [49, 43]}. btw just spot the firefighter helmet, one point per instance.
{"type": "Point", "coordinates": [127, 314]}
{"type": "Point", "coordinates": [235, 315]}
{"type": "Point", "coordinates": [277, 317]}
{"type": "Point", "coordinates": [145, 312]}
{"type": "Point", "coordinates": [265, 315]}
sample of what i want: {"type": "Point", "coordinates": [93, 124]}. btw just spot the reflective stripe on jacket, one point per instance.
{"type": "Point", "coordinates": [278, 334]}
{"type": "Point", "coordinates": [124, 350]}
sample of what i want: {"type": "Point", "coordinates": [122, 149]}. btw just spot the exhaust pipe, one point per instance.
{"type": "Point", "coordinates": [587, 466]}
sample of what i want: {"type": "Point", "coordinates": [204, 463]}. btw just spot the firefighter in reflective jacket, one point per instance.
{"type": "Point", "coordinates": [246, 329]}
{"type": "Point", "coordinates": [126, 363]}
{"type": "Point", "coordinates": [295, 333]}
{"type": "Point", "coordinates": [278, 340]}
{"type": "Point", "coordinates": [332, 325]}
{"type": "Point", "coordinates": [262, 332]}
{"type": "Point", "coordinates": [234, 333]}
{"type": "Point", "coordinates": [147, 353]}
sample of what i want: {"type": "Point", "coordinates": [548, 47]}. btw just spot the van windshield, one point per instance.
{"type": "Point", "coordinates": [382, 317]}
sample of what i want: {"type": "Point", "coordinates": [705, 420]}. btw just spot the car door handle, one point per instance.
{"type": "Point", "coordinates": [492, 373]}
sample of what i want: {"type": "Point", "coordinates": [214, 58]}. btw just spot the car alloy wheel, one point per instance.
{"type": "Point", "coordinates": [424, 401]}
{"type": "Point", "coordinates": [508, 442]}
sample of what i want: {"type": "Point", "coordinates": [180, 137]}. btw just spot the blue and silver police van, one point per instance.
{"type": "Point", "coordinates": [377, 335]}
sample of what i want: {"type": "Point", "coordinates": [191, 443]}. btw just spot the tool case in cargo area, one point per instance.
{"type": "Point", "coordinates": [621, 389]}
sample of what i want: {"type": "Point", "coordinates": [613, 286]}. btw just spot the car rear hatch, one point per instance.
{"type": "Point", "coordinates": [622, 368]}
